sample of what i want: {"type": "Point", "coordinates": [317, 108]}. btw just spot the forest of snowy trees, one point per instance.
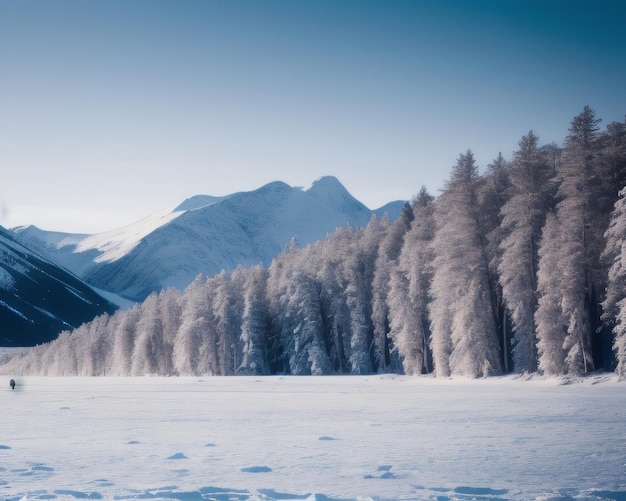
{"type": "Point", "coordinates": [519, 269]}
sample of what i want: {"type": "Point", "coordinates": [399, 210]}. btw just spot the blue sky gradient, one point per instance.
{"type": "Point", "coordinates": [112, 110]}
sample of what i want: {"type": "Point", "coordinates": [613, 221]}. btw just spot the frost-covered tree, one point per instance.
{"type": "Point", "coordinates": [149, 352]}
{"type": "Point", "coordinates": [615, 301]}
{"type": "Point", "coordinates": [330, 272]}
{"type": "Point", "coordinates": [255, 323]}
{"type": "Point", "coordinates": [386, 261]}
{"type": "Point", "coordinates": [581, 241]}
{"type": "Point", "coordinates": [549, 317]}
{"type": "Point", "coordinates": [305, 331]}
{"type": "Point", "coordinates": [195, 344]}
{"type": "Point", "coordinates": [96, 346]}
{"type": "Point", "coordinates": [493, 193]}
{"type": "Point", "coordinates": [409, 285]}
{"type": "Point", "coordinates": [297, 311]}
{"type": "Point", "coordinates": [464, 335]}
{"type": "Point", "coordinates": [57, 358]}
{"type": "Point", "coordinates": [359, 275]}
{"type": "Point", "coordinates": [124, 340]}
{"type": "Point", "coordinates": [523, 217]}
{"type": "Point", "coordinates": [228, 311]}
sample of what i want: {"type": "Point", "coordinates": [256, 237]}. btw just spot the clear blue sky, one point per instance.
{"type": "Point", "coordinates": [112, 110]}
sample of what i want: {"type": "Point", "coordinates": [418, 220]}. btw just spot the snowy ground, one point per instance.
{"type": "Point", "coordinates": [322, 438]}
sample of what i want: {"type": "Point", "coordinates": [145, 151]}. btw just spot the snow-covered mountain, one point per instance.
{"type": "Point", "coordinates": [205, 235]}
{"type": "Point", "coordinates": [39, 299]}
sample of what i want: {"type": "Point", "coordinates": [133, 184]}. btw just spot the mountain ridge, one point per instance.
{"type": "Point", "coordinates": [204, 235]}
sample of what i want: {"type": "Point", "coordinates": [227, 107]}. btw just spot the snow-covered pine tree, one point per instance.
{"type": "Point", "coordinates": [386, 262]}
{"type": "Point", "coordinates": [359, 274]}
{"type": "Point", "coordinates": [464, 335]}
{"type": "Point", "coordinates": [149, 349]}
{"type": "Point", "coordinates": [615, 301]}
{"type": "Point", "coordinates": [195, 338]}
{"type": "Point", "coordinates": [550, 320]}
{"type": "Point", "coordinates": [57, 358]}
{"type": "Point", "coordinates": [96, 346]}
{"type": "Point", "coordinates": [524, 215]}
{"type": "Point", "coordinates": [409, 285]}
{"type": "Point", "coordinates": [225, 358]}
{"type": "Point", "coordinates": [579, 234]}
{"type": "Point", "coordinates": [255, 322]}
{"type": "Point", "coordinates": [493, 194]}
{"type": "Point", "coordinates": [124, 340]}
{"type": "Point", "coordinates": [330, 272]}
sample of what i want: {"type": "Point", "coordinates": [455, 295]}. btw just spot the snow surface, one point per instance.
{"type": "Point", "coordinates": [317, 438]}
{"type": "Point", "coordinates": [115, 244]}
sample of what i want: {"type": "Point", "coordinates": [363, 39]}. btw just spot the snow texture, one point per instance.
{"type": "Point", "coordinates": [315, 438]}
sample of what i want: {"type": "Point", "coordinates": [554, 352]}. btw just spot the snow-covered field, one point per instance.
{"type": "Point", "coordinates": [322, 438]}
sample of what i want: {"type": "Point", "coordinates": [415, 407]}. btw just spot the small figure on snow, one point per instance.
{"type": "Point", "coordinates": [12, 383]}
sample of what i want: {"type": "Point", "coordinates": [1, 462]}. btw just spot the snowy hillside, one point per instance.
{"type": "Point", "coordinates": [38, 299]}
{"type": "Point", "coordinates": [207, 234]}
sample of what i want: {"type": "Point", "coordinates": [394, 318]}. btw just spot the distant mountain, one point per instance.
{"type": "Point", "coordinates": [38, 299]}
{"type": "Point", "coordinates": [205, 235]}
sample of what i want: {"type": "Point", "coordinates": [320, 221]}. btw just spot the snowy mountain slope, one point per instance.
{"type": "Point", "coordinates": [39, 299]}
{"type": "Point", "coordinates": [207, 234]}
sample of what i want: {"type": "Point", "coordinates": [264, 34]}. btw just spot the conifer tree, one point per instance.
{"type": "Point", "coordinates": [195, 344]}
{"type": "Point", "coordinates": [124, 340]}
{"type": "Point", "coordinates": [386, 261]}
{"type": "Point", "coordinates": [524, 215]}
{"type": "Point", "coordinates": [359, 275]}
{"type": "Point", "coordinates": [410, 284]}
{"type": "Point", "coordinates": [615, 301]}
{"type": "Point", "coordinates": [549, 317]}
{"type": "Point", "coordinates": [255, 322]}
{"type": "Point", "coordinates": [580, 242]}
{"type": "Point", "coordinates": [149, 349]}
{"type": "Point", "coordinates": [464, 339]}
{"type": "Point", "coordinates": [227, 304]}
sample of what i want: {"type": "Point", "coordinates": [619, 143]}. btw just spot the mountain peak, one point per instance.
{"type": "Point", "coordinates": [329, 188]}
{"type": "Point", "coordinates": [326, 184]}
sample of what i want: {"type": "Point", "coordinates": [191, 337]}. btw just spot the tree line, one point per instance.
{"type": "Point", "coordinates": [519, 269]}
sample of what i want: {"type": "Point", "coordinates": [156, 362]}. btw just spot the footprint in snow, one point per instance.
{"type": "Point", "coordinates": [384, 470]}
{"type": "Point", "coordinates": [256, 469]}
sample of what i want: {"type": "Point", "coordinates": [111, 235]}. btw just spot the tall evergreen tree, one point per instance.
{"type": "Point", "coordinates": [195, 344]}
{"type": "Point", "coordinates": [409, 290]}
{"type": "Point", "coordinates": [615, 300]}
{"type": "Point", "coordinates": [580, 236]}
{"type": "Point", "coordinates": [359, 275]}
{"type": "Point", "coordinates": [386, 262]}
{"type": "Point", "coordinates": [549, 317]}
{"type": "Point", "coordinates": [333, 282]}
{"type": "Point", "coordinates": [464, 335]}
{"type": "Point", "coordinates": [255, 323]}
{"type": "Point", "coordinates": [524, 215]}
{"type": "Point", "coordinates": [149, 349]}
{"type": "Point", "coordinates": [124, 340]}
{"type": "Point", "coordinates": [228, 311]}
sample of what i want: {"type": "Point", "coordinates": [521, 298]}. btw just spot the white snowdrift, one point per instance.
{"type": "Point", "coordinates": [324, 438]}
